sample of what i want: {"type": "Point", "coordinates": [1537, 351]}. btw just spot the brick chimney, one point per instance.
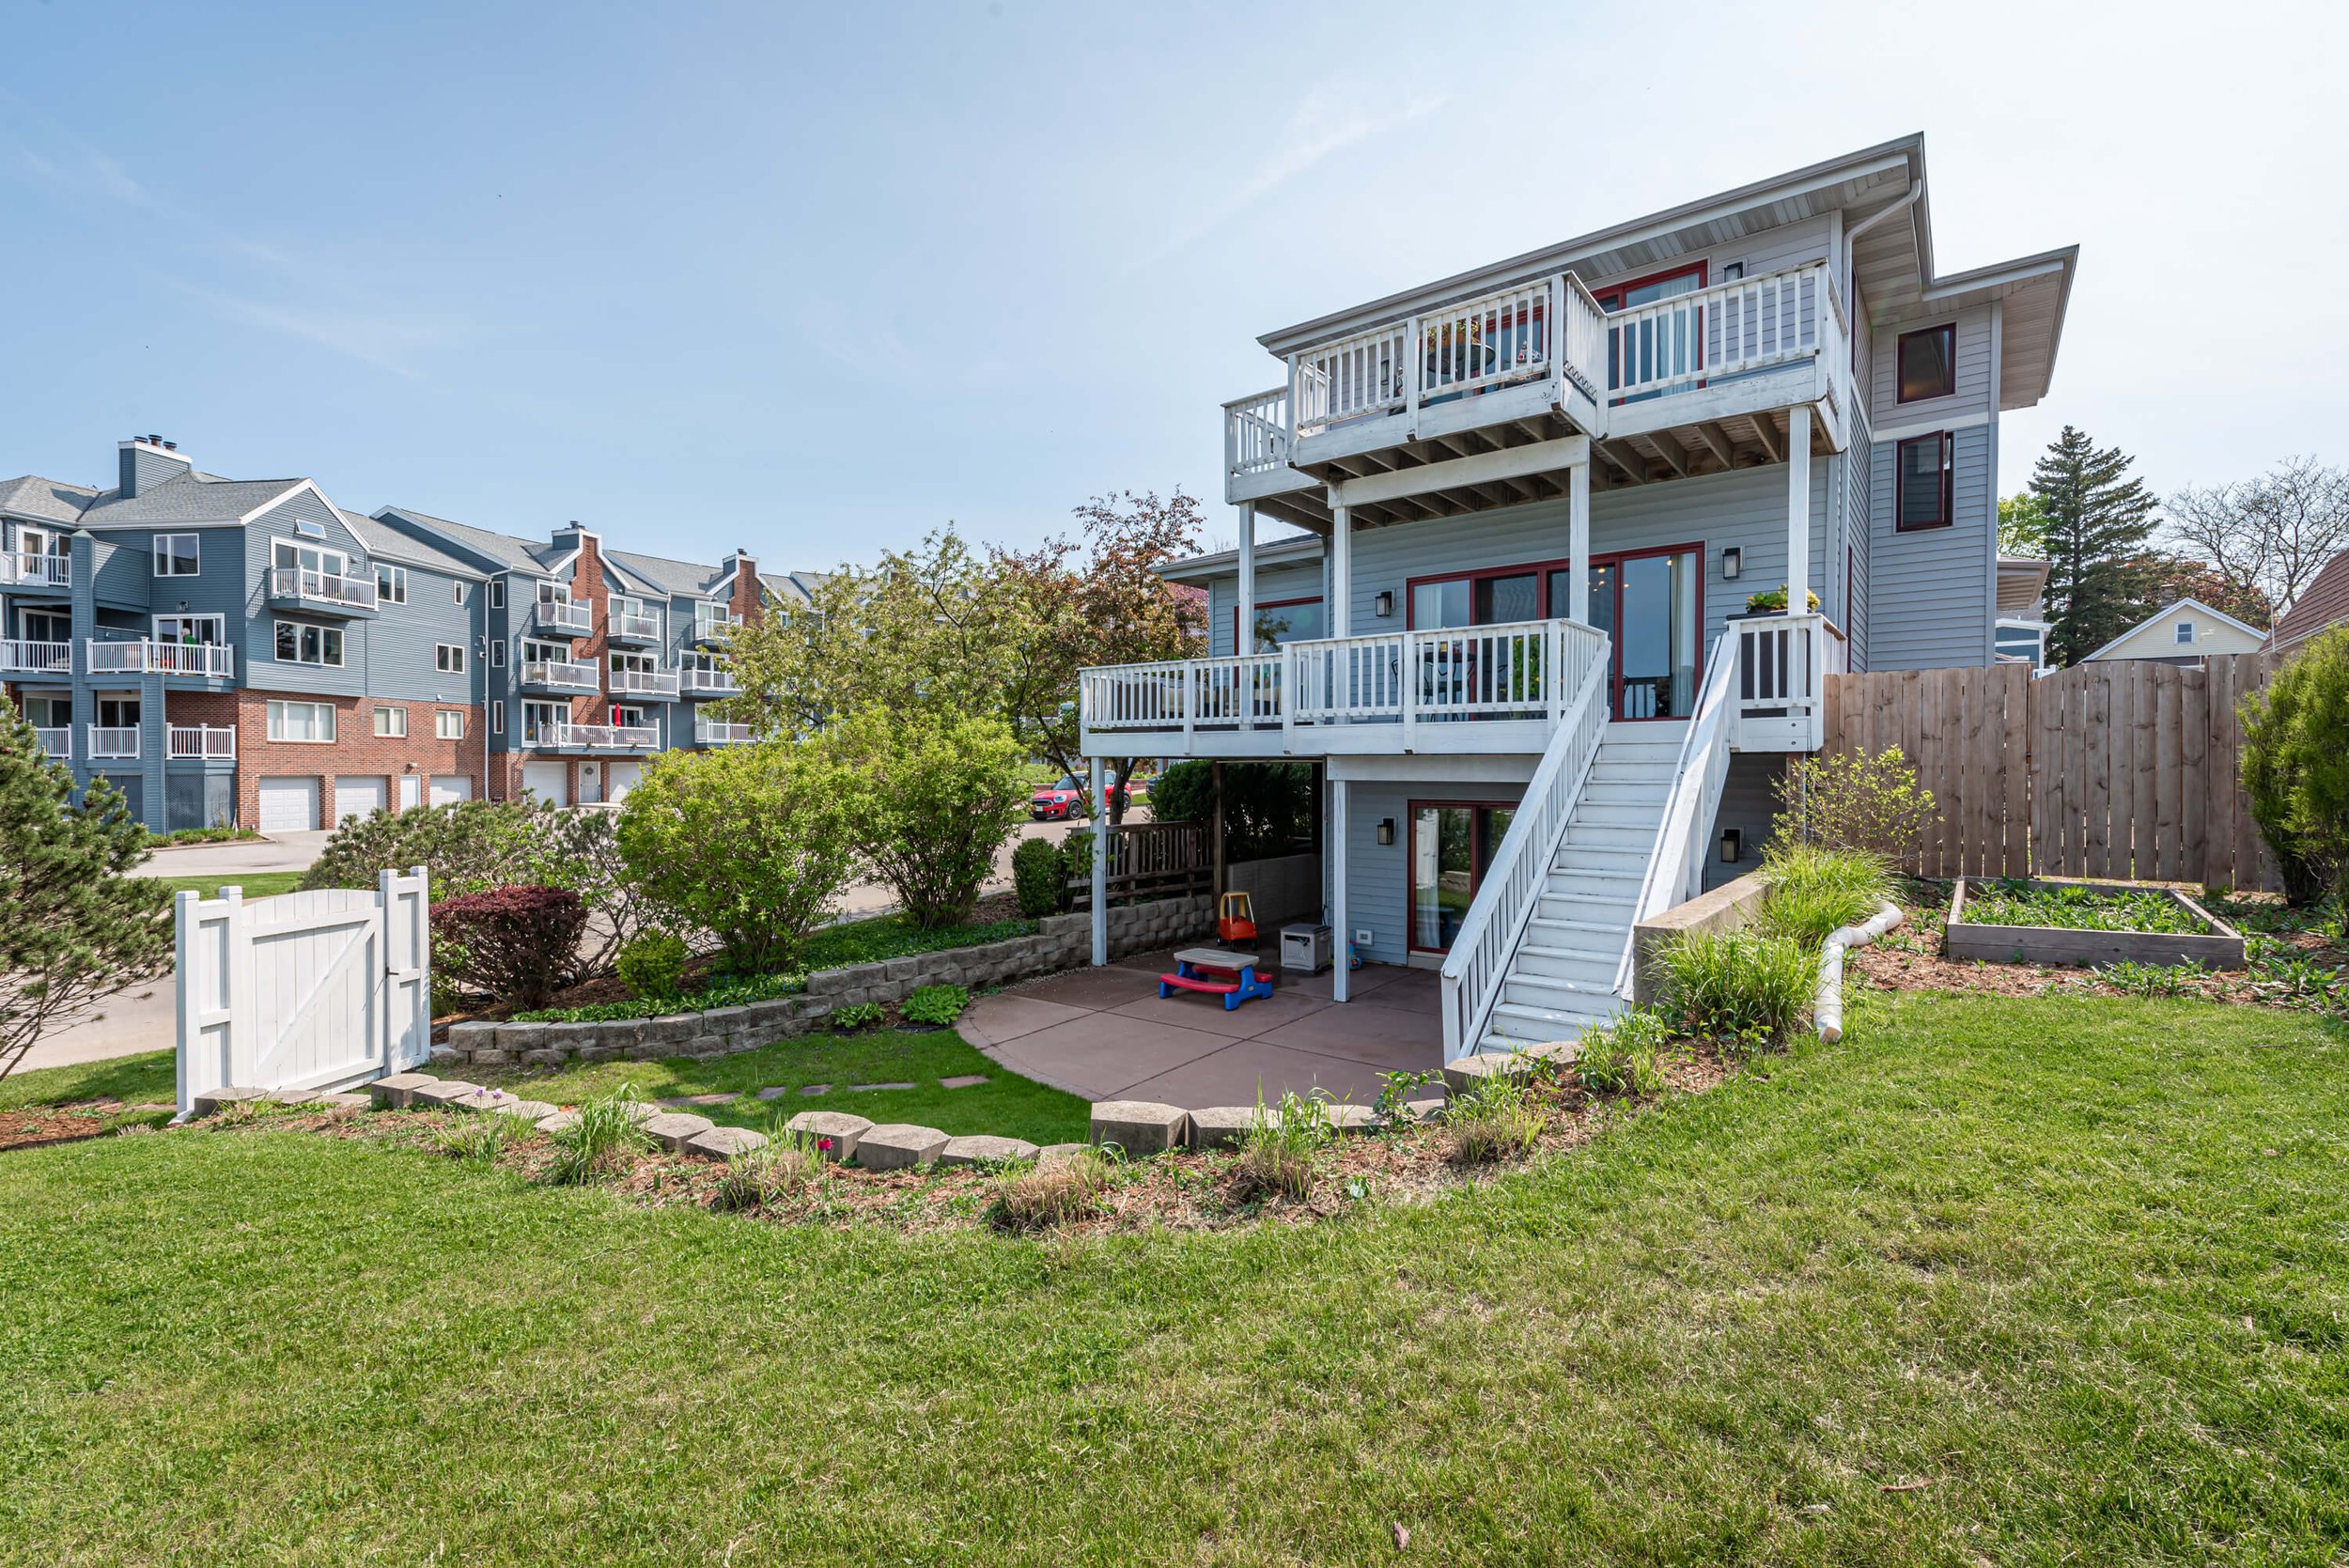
{"type": "Point", "coordinates": [745, 600]}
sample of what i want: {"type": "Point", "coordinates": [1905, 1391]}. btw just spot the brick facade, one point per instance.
{"type": "Point", "coordinates": [356, 750]}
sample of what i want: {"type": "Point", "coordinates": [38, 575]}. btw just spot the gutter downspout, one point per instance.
{"type": "Point", "coordinates": [1851, 235]}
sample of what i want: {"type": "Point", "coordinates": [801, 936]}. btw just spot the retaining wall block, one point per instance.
{"type": "Point", "coordinates": [900, 1145]}
{"type": "Point", "coordinates": [672, 1129]}
{"type": "Point", "coordinates": [450, 1056]}
{"type": "Point", "coordinates": [492, 1058]}
{"type": "Point", "coordinates": [984, 1149]}
{"type": "Point", "coordinates": [474, 1033]}
{"type": "Point", "coordinates": [724, 1142]}
{"type": "Point", "coordinates": [550, 1057]}
{"type": "Point", "coordinates": [668, 1026]}
{"type": "Point", "coordinates": [601, 1053]}
{"type": "Point", "coordinates": [1140, 1126]}
{"type": "Point", "coordinates": [398, 1091]}
{"type": "Point", "coordinates": [839, 1127]}
{"type": "Point", "coordinates": [1220, 1126]}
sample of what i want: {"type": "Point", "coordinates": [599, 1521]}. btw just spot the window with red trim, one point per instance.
{"type": "Point", "coordinates": [1922, 466]}
{"type": "Point", "coordinates": [1927, 362]}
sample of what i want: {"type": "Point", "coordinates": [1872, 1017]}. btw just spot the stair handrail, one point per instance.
{"type": "Point", "coordinates": [1674, 860]}
{"type": "Point", "coordinates": [1511, 891]}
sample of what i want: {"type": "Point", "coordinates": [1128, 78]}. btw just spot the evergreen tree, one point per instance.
{"type": "Point", "coordinates": [2098, 521]}
{"type": "Point", "coordinates": [74, 929]}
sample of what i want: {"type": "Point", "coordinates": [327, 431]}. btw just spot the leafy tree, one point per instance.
{"type": "Point", "coordinates": [468, 847]}
{"type": "Point", "coordinates": [2022, 526]}
{"type": "Point", "coordinates": [2098, 521]}
{"type": "Point", "coordinates": [2296, 767]}
{"type": "Point", "coordinates": [931, 799]}
{"type": "Point", "coordinates": [1870, 803]}
{"type": "Point", "coordinates": [1268, 806]}
{"type": "Point", "coordinates": [74, 929]}
{"type": "Point", "coordinates": [2162, 579]}
{"type": "Point", "coordinates": [2267, 537]}
{"type": "Point", "coordinates": [751, 844]}
{"type": "Point", "coordinates": [581, 850]}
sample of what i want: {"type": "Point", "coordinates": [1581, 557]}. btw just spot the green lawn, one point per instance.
{"type": "Point", "coordinates": [256, 884]}
{"type": "Point", "coordinates": [148, 1078]}
{"type": "Point", "coordinates": [2073, 1273]}
{"type": "Point", "coordinates": [1005, 1104]}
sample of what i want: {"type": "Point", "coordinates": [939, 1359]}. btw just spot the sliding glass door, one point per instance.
{"type": "Point", "coordinates": [1651, 606]}
{"type": "Point", "coordinates": [1451, 846]}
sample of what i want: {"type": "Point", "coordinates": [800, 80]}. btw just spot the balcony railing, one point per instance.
{"type": "Point", "coordinates": [711, 624]}
{"type": "Point", "coordinates": [201, 742]}
{"type": "Point", "coordinates": [708, 732]}
{"type": "Point", "coordinates": [1257, 432]}
{"type": "Point", "coordinates": [58, 742]}
{"type": "Point", "coordinates": [1783, 665]}
{"type": "Point", "coordinates": [638, 626]}
{"type": "Point", "coordinates": [304, 585]}
{"type": "Point", "coordinates": [21, 657]}
{"type": "Point", "coordinates": [215, 660]}
{"type": "Point", "coordinates": [1731, 328]}
{"type": "Point", "coordinates": [561, 615]}
{"type": "Point", "coordinates": [567, 675]}
{"type": "Point", "coordinates": [114, 742]}
{"type": "Point", "coordinates": [657, 683]}
{"type": "Point", "coordinates": [594, 738]}
{"type": "Point", "coordinates": [707, 678]}
{"type": "Point", "coordinates": [29, 570]}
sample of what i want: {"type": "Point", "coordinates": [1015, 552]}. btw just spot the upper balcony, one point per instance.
{"type": "Point", "coordinates": [1693, 383]}
{"type": "Point", "coordinates": [644, 683]}
{"type": "Point", "coordinates": [564, 737]}
{"type": "Point", "coordinates": [22, 657]}
{"type": "Point", "coordinates": [558, 674]}
{"type": "Point", "coordinates": [700, 675]}
{"type": "Point", "coordinates": [562, 616]}
{"type": "Point", "coordinates": [306, 589]}
{"type": "Point", "coordinates": [713, 623]}
{"type": "Point", "coordinates": [24, 570]}
{"type": "Point", "coordinates": [630, 625]}
{"type": "Point", "coordinates": [206, 661]}
{"type": "Point", "coordinates": [710, 732]}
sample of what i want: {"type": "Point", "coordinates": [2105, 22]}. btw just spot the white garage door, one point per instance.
{"type": "Point", "coordinates": [356, 796]}
{"type": "Point", "coordinates": [289, 805]}
{"type": "Point", "coordinates": [549, 781]}
{"type": "Point", "coordinates": [620, 778]}
{"type": "Point", "coordinates": [449, 788]}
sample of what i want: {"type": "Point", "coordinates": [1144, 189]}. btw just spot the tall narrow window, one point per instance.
{"type": "Point", "coordinates": [1928, 362]}
{"type": "Point", "coordinates": [1924, 469]}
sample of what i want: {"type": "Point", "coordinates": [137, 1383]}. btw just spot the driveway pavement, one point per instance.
{"type": "Point", "coordinates": [1106, 1034]}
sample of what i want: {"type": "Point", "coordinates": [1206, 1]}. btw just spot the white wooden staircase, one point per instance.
{"type": "Point", "coordinates": [1562, 976]}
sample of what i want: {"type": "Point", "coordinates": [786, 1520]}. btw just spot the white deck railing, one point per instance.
{"type": "Point", "coordinates": [1257, 432]}
{"type": "Point", "coordinates": [206, 742]}
{"type": "Point", "coordinates": [1783, 665]}
{"type": "Point", "coordinates": [305, 585]}
{"type": "Point", "coordinates": [114, 742]}
{"type": "Point", "coordinates": [606, 737]}
{"type": "Point", "coordinates": [169, 658]}
{"type": "Point", "coordinates": [1731, 328]}
{"type": "Point", "coordinates": [1675, 861]}
{"type": "Point", "coordinates": [709, 732]}
{"type": "Point", "coordinates": [657, 683]}
{"type": "Point", "coordinates": [703, 676]}
{"type": "Point", "coordinates": [569, 674]}
{"type": "Point", "coordinates": [36, 571]}
{"type": "Point", "coordinates": [1478, 964]}
{"type": "Point", "coordinates": [642, 624]}
{"type": "Point", "coordinates": [561, 615]}
{"type": "Point", "coordinates": [1493, 340]}
{"type": "Point", "coordinates": [22, 657]}
{"type": "Point", "coordinates": [57, 743]}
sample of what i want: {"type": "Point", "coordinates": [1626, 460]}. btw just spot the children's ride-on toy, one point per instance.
{"type": "Point", "coordinates": [1236, 919]}
{"type": "Point", "coordinates": [1215, 972]}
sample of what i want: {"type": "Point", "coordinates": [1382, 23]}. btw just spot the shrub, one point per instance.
{"type": "Point", "coordinates": [757, 1177]}
{"type": "Point", "coordinates": [1495, 1120]}
{"type": "Point", "coordinates": [581, 850]}
{"type": "Point", "coordinates": [481, 1138]}
{"type": "Point", "coordinates": [1039, 877]}
{"type": "Point", "coordinates": [1040, 1197]}
{"type": "Point", "coordinates": [1281, 1153]}
{"type": "Point", "coordinates": [934, 798]}
{"type": "Point", "coordinates": [1626, 1055]}
{"type": "Point", "coordinates": [604, 1141]}
{"type": "Point", "coordinates": [1268, 806]}
{"type": "Point", "coordinates": [1813, 891]}
{"type": "Point", "coordinates": [935, 1004]}
{"type": "Point", "coordinates": [1871, 804]}
{"type": "Point", "coordinates": [748, 843]}
{"type": "Point", "coordinates": [2295, 768]}
{"type": "Point", "coordinates": [653, 964]}
{"type": "Point", "coordinates": [518, 941]}
{"type": "Point", "coordinates": [467, 847]}
{"type": "Point", "coordinates": [1742, 988]}
{"type": "Point", "coordinates": [858, 1015]}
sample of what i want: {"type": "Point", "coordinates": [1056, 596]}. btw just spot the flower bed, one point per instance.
{"type": "Point", "coordinates": [2084, 922]}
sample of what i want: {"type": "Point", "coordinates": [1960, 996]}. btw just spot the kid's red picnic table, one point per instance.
{"type": "Point", "coordinates": [1216, 971]}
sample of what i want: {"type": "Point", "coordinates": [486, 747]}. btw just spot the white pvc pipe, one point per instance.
{"type": "Point", "coordinates": [1827, 1008]}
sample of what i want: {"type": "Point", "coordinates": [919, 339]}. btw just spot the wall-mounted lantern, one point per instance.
{"type": "Point", "coordinates": [1733, 846]}
{"type": "Point", "coordinates": [1386, 830]}
{"type": "Point", "coordinates": [1383, 606]}
{"type": "Point", "coordinates": [1732, 561]}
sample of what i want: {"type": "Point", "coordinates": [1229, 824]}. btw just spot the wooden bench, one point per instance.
{"type": "Point", "coordinates": [1215, 971]}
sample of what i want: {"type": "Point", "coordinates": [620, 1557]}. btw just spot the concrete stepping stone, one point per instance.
{"type": "Point", "coordinates": [963, 1080]}
{"type": "Point", "coordinates": [1222, 1127]}
{"type": "Point", "coordinates": [1052, 1154]}
{"type": "Point", "coordinates": [442, 1093]}
{"type": "Point", "coordinates": [562, 1121]}
{"type": "Point", "coordinates": [1140, 1126]}
{"type": "Point", "coordinates": [1425, 1110]}
{"type": "Point", "coordinates": [724, 1143]}
{"type": "Point", "coordinates": [673, 1129]}
{"type": "Point", "coordinates": [899, 1146]}
{"type": "Point", "coordinates": [536, 1111]}
{"type": "Point", "coordinates": [339, 1102]}
{"type": "Point", "coordinates": [836, 1132]}
{"type": "Point", "coordinates": [775, 1091]}
{"type": "Point", "coordinates": [985, 1150]}
{"type": "Point", "coordinates": [212, 1101]}
{"type": "Point", "coordinates": [861, 1088]}
{"type": "Point", "coordinates": [496, 1099]}
{"type": "Point", "coordinates": [678, 1100]}
{"type": "Point", "coordinates": [813, 1089]}
{"type": "Point", "coordinates": [399, 1092]}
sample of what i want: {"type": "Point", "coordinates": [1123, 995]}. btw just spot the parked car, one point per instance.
{"type": "Point", "coordinates": [1066, 800]}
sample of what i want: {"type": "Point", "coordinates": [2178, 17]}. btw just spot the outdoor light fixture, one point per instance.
{"type": "Point", "coordinates": [1383, 606]}
{"type": "Point", "coordinates": [1732, 561]}
{"type": "Point", "coordinates": [1386, 830]}
{"type": "Point", "coordinates": [1732, 845]}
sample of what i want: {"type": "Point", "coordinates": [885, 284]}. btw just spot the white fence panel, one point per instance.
{"type": "Point", "coordinates": [306, 991]}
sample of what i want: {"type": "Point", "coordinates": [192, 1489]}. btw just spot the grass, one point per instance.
{"type": "Point", "coordinates": [1005, 1104]}
{"type": "Point", "coordinates": [1997, 1280]}
{"type": "Point", "coordinates": [256, 884]}
{"type": "Point", "coordinates": [148, 1078]}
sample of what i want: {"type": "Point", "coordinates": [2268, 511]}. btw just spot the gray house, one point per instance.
{"type": "Point", "coordinates": [245, 651]}
{"type": "Point", "coordinates": [1522, 631]}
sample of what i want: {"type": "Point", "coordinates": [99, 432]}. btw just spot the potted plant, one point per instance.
{"type": "Point", "coordinates": [1770, 602]}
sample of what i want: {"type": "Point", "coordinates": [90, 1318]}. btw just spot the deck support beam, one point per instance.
{"type": "Point", "coordinates": [1100, 864]}
{"type": "Point", "coordinates": [1341, 933]}
{"type": "Point", "coordinates": [1244, 634]}
{"type": "Point", "coordinates": [1340, 615]}
{"type": "Point", "coordinates": [1577, 543]}
{"type": "Point", "coordinates": [1798, 509]}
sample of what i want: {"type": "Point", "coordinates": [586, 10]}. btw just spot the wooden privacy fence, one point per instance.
{"type": "Point", "coordinates": [2124, 770]}
{"type": "Point", "coordinates": [1152, 860]}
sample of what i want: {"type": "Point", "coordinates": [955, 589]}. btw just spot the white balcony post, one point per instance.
{"type": "Point", "coordinates": [1244, 634]}
{"type": "Point", "coordinates": [1409, 370]}
{"type": "Point", "coordinates": [1798, 509]}
{"type": "Point", "coordinates": [1340, 615]}
{"type": "Point", "coordinates": [1100, 865]}
{"type": "Point", "coordinates": [1340, 934]}
{"type": "Point", "coordinates": [1577, 543]}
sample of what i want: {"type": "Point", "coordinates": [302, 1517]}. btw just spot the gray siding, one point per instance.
{"type": "Point", "coordinates": [1280, 583]}
{"type": "Point", "coordinates": [1931, 595]}
{"type": "Point", "coordinates": [1858, 491]}
{"type": "Point", "coordinates": [262, 667]}
{"type": "Point", "coordinates": [1746, 805]}
{"type": "Point", "coordinates": [401, 662]}
{"type": "Point", "coordinates": [123, 562]}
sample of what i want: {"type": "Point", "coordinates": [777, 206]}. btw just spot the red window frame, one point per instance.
{"type": "Point", "coordinates": [1541, 595]}
{"type": "Point", "coordinates": [1610, 297]}
{"type": "Point", "coordinates": [1947, 332]}
{"type": "Point", "coordinates": [1410, 857]}
{"type": "Point", "coordinates": [1264, 604]}
{"type": "Point", "coordinates": [1947, 465]}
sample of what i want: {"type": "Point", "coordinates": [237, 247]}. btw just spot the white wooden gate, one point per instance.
{"type": "Point", "coordinates": [306, 990]}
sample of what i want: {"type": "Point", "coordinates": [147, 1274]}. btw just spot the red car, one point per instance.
{"type": "Point", "coordinates": [1066, 799]}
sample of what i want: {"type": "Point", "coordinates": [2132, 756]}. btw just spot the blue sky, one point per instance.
{"type": "Point", "coordinates": [816, 280]}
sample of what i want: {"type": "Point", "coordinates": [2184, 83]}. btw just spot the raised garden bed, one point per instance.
{"type": "Point", "coordinates": [2062, 921]}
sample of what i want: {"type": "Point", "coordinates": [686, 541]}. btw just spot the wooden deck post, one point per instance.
{"type": "Point", "coordinates": [1215, 830]}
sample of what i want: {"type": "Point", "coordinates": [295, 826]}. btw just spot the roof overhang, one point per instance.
{"type": "Point", "coordinates": [1280, 552]}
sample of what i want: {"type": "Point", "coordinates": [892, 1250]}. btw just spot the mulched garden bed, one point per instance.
{"type": "Point", "coordinates": [36, 1126]}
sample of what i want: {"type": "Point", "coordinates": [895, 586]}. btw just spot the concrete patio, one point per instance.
{"type": "Point", "coordinates": [1105, 1034]}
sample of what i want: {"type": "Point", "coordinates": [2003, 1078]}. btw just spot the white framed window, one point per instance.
{"type": "Point", "coordinates": [289, 552]}
{"type": "Point", "coordinates": [179, 554]}
{"type": "Point", "coordinates": [190, 629]}
{"type": "Point", "coordinates": [544, 722]}
{"type": "Point", "coordinates": [497, 592]}
{"type": "Point", "coordinates": [300, 642]}
{"type": "Point", "coordinates": [309, 530]}
{"type": "Point", "coordinates": [449, 657]}
{"type": "Point", "coordinates": [391, 585]}
{"type": "Point", "coordinates": [449, 724]}
{"type": "Point", "coordinates": [497, 718]}
{"type": "Point", "coordinates": [497, 655]}
{"type": "Point", "coordinates": [2186, 634]}
{"type": "Point", "coordinates": [546, 653]}
{"type": "Point", "coordinates": [391, 722]}
{"type": "Point", "coordinates": [311, 722]}
{"type": "Point", "coordinates": [458, 592]}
